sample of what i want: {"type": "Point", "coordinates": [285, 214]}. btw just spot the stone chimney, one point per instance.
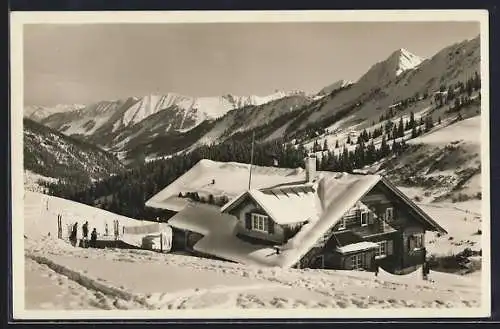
{"type": "Point", "coordinates": [310, 164]}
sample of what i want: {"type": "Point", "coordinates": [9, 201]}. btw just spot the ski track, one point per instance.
{"type": "Point", "coordinates": [47, 288]}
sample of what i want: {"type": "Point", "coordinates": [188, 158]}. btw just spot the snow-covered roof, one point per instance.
{"type": "Point", "coordinates": [359, 246]}
{"type": "Point", "coordinates": [230, 179]}
{"type": "Point", "coordinates": [285, 205]}
{"type": "Point", "coordinates": [203, 219]}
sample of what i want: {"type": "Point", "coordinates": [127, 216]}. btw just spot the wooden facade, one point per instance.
{"type": "Point", "coordinates": [379, 217]}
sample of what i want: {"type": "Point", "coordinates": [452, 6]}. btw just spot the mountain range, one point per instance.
{"type": "Point", "coordinates": [136, 129]}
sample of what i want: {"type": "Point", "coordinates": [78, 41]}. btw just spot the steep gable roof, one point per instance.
{"type": "Point", "coordinates": [285, 205]}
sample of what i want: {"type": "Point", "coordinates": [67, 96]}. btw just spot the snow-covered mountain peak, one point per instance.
{"type": "Point", "coordinates": [387, 70]}
{"type": "Point", "coordinates": [402, 60]}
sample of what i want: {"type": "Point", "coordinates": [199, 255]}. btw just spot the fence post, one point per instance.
{"type": "Point", "coordinates": [115, 224]}
{"type": "Point", "coordinates": [161, 242]}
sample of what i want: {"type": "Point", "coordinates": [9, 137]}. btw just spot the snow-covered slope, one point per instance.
{"type": "Point", "coordinates": [446, 163]}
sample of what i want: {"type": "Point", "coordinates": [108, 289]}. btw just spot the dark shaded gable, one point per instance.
{"type": "Point", "coordinates": [386, 186]}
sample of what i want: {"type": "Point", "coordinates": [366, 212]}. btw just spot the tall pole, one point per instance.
{"type": "Point", "coordinates": [251, 161]}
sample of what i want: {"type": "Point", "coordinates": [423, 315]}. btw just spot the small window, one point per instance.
{"type": "Point", "coordinates": [389, 214]}
{"type": "Point", "coordinates": [416, 241]}
{"type": "Point", "coordinates": [364, 218]}
{"type": "Point", "coordinates": [259, 223]}
{"type": "Point", "coordinates": [382, 249]}
{"type": "Point", "coordinates": [419, 241]}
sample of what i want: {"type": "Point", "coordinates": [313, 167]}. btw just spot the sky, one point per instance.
{"type": "Point", "coordinates": [68, 64]}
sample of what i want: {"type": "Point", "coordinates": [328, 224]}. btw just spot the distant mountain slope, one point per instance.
{"type": "Point", "coordinates": [53, 155]}
{"type": "Point", "coordinates": [334, 86]}
{"type": "Point", "coordinates": [149, 141]}
{"type": "Point", "coordinates": [113, 125]}
{"type": "Point", "coordinates": [116, 115]}
{"type": "Point", "coordinates": [38, 113]}
{"type": "Point", "coordinates": [397, 79]}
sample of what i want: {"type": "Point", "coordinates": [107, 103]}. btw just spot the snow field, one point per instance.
{"type": "Point", "coordinates": [168, 281]}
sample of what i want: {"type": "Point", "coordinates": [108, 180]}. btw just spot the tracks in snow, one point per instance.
{"type": "Point", "coordinates": [121, 298]}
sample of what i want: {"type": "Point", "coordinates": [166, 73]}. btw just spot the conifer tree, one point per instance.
{"type": "Point", "coordinates": [414, 132]}
{"type": "Point", "coordinates": [412, 120]}
{"type": "Point", "coordinates": [401, 129]}
{"type": "Point", "coordinates": [384, 148]}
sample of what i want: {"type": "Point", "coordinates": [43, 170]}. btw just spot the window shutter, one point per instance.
{"type": "Point", "coordinates": [248, 221]}
{"type": "Point", "coordinates": [411, 243]}
{"type": "Point", "coordinates": [370, 217]}
{"type": "Point", "coordinates": [390, 247]}
{"type": "Point", "coordinates": [270, 225]}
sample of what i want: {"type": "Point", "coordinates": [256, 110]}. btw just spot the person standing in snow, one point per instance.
{"type": "Point", "coordinates": [85, 230]}
{"type": "Point", "coordinates": [73, 236]}
{"type": "Point", "coordinates": [93, 238]}
{"type": "Point", "coordinates": [106, 229]}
